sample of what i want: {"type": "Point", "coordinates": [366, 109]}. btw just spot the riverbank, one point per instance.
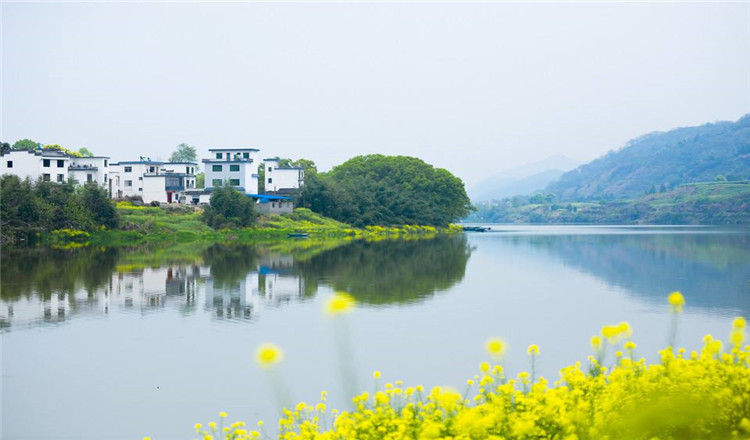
{"type": "Point", "coordinates": [183, 224]}
{"type": "Point", "coordinates": [709, 203]}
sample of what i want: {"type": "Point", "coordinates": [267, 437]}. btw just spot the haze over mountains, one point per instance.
{"type": "Point", "coordinates": [660, 161]}
{"type": "Point", "coordinates": [654, 162]}
{"type": "Point", "coordinates": [524, 179]}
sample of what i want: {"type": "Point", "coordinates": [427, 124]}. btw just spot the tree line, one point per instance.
{"type": "Point", "coordinates": [32, 207]}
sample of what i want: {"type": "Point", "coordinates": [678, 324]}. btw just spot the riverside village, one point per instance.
{"type": "Point", "coordinates": [157, 182]}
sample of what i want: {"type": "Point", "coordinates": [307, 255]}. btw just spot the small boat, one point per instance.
{"type": "Point", "coordinates": [476, 229]}
{"type": "Point", "coordinates": [297, 235]}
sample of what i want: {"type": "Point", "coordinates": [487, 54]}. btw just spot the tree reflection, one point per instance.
{"type": "Point", "coordinates": [44, 271]}
{"type": "Point", "coordinates": [390, 271]}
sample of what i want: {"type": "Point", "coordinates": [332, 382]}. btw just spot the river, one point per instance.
{"type": "Point", "coordinates": [126, 343]}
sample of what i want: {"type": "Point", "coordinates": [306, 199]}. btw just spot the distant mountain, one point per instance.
{"type": "Point", "coordinates": [660, 161]}
{"type": "Point", "coordinates": [524, 179]}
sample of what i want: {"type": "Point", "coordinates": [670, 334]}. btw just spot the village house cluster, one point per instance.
{"type": "Point", "coordinates": [165, 182]}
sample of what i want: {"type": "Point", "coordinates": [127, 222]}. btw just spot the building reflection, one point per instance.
{"type": "Point", "coordinates": [270, 282]}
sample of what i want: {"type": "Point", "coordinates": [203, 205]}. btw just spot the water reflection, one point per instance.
{"type": "Point", "coordinates": [391, 272]}
{"type": "Point", "coordinates": [710, 267]}
{"type": "Point", "coordinates": [233, 282]}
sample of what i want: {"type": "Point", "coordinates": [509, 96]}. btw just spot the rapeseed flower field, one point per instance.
{"type": "Point", "coordinates": [701, 394]}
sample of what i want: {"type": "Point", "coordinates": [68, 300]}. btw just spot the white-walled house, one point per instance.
{"type": "Point", "coordinates": [237, 167]}
{"type": "Point", "coordinates": [153, 181]}
{"type": "Point", "coordinates": [55, 166]}
{"type": "Point", "coordinates": [90, 169]}
{"type": "Point", "coordinates": [282, 179]}
{"type": "Point", "coordinates": [50, 165]}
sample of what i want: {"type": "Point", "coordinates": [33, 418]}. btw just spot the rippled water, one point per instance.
{"type": "Point", "coordinates": [111, 344]}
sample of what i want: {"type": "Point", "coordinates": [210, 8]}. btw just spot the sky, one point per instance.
{"type": "Point", "coordinates": [475, 88]}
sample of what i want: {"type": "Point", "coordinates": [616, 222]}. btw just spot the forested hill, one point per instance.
{"type": "Point", "coordinates": [658, 161]}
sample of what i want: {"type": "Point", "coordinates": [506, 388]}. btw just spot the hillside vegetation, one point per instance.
{"type": "Point", "coordinates": [712, 203]}
{"type": "Point", "coordinates": [662, 161]}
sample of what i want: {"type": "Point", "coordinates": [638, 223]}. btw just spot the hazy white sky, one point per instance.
{"type": "Point", "coordinates": [471, 87]}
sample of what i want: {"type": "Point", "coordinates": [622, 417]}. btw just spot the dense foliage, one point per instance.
{"type": "Point", "coordinates": [662, 160]}
{"type": "Point", "coordinates": [229, 209]}
{"type": "Point", "coordinates": [25, 144]}
{"type": "Point", "coordinates": [717, 203]}
{"type": "Point", "coordinates": [184, 153]}
{"type": "Point", "coordinates": [387, 190]}
{"type": "Point", "coordinates": [28, 208]}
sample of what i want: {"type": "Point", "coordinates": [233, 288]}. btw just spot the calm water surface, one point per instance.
{"type": "Point", "coordinates": [120, 344]}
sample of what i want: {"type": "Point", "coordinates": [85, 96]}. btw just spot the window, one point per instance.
{"type": "Point", "coordinates": [234, 167]}
{"type": "Point", "coordinates": [46, 177]}
{"type": "Point", "coordinates": [246, 155]}
{"type": "Point", "coordinates": [128, 183]}
{"type": "Point", "coordinates": [216, 182]}
{"type": "Point", "coordinates": [234, 182]}
{"type": "Point", "coordinates": [128, 169]}
{"type": "Point", "coordinates": [61, 177]}
{"type": "Point", "coordinates": [10, 164]}
{"type": "Point", "coordinates": [150, 169]}
{"type": "Point", "coordinates": [45, 163]}
{"type": "Point", "coordinates": [140, 189]}
{"type": "Point", "coordinates": [218, 155]}
{"type": "Point", "coordinates": [140, 178]}
{"type": "Point", "coordinates": [105, 177]}
{"type": "Point", "coordinates": [270, 169]}
{"type": "Point", "coordinates": [89, 177]}
{"type": "Point", "coordinates": [270, 180]}
{"type": "Point", "coordinates": [60, 163]}
{"type": "Point", "coordinates": [105, 163]}
{"type": "Point", "coordinates": [216, 168]}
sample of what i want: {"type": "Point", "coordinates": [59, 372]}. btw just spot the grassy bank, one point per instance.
{"type": "Point", "coordinates": [709, 203]}
{"type": "Point", "coordinates": [182, 224]}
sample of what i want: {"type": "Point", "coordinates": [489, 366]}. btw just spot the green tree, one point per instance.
{"type": "Point", "coordinates": [102, 208]}
{"type": "Point", "coordinates": [85, 152]}
{"type": "Point", "coordinates": [229, 208]}
{"type": "Point", "coordinates": [25, 144]}
{"type": "Point", "coordinates": [5, 148]}
{"type": "Point", "coordinates": [200, 180]}
{"type": "Point", "coordinates": [184, 153]}
{"type": "Point", "coordinates": [387, 190]}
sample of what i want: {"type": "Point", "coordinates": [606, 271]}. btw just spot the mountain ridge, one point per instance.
{"type": "Point", "coordinates": [660, 161]}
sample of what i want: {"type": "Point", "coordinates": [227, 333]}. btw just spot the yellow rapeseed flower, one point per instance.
{"type": "Point", "coordinates": [737, 337]}
{"type": "Point", "coordinates": [739, 323]}
{"type": "Point", "coordinates": [676, 300]}
{"type": "Point", "coordinates": [268, 355]}
{"type": "Point", "coordinates": [339, 303]}
{"type": "Point", "coordinates": [496, 347]}
{"type": "Point", "coordinates": [222, 414]}
{"type": "Point", "coordinates": [596, 342]}
{"type": "Point", "coordinates": [376, 375]}
{"type": "Point", "coordinates": [533, 350]}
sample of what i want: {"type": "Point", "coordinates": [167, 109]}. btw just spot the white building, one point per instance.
{"type": "Point", "coordinates": [237, 167]}
{"type": "Point", "coordinates": [55, 166]}
{"type": "Point", "coordinates": [163, 182]}
{"type": "Point", "coordinates": [90, 169]}
{"type": "Point", "coordinates": [50, 165]}
{"type": "Point", "coordinates": [282, 179]}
